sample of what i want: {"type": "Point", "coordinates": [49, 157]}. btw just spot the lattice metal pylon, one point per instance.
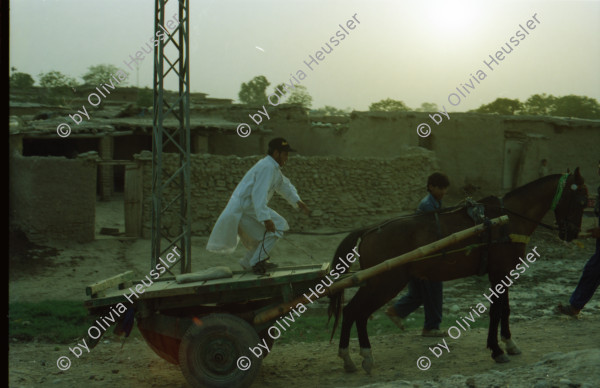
{"type": "Point", "coordinates": [171, 190]}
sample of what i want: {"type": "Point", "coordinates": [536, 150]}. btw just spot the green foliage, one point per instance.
{"type": "Point", "coordinates": [254, 92]}
{"type": "Point", "coordinates": [99, 74]}
{"type": "Point", "coordinates": [59, 89]}
{"type": "Point", "coordinates": [546, 105]}
{"type": "Point", "coordinates": [503, 106]}
{"type": "Point", "coordinates": [55, 79]}
{"type": "Point", "coordinates": [51, 321]}
{"type": "Point", "coordinates": [428, 107]}
{"type": "Point", "coordinates": [328, 110]}
{"type": "Point", "coordinates": [576, 106]}
{"type": "Point", "coordinates": [388, 105]}
{"type": "Point", "coordinates": [21, 81]}
{"type": "Point", "coordinates": [297, 95]}
{"type": "Point", "coordinates": [539, 104]}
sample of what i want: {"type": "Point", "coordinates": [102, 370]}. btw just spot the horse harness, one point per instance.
{"type": "Point", "coordinates": [476, 211]}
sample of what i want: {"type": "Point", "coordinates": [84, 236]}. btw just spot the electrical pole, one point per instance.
{"type": "Point", "coordinates": [171, 190]}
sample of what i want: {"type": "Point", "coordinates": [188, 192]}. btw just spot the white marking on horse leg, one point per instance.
{"type": "Point", "coordinates": [511, 346]}
{"type": "Point", "coordinates": [367, 363]}
{"type": "Point", "coordinates": [344, 354]}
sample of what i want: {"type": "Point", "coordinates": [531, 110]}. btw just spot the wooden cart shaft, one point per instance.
{"type": "Point", "coordinates": [361, 276]}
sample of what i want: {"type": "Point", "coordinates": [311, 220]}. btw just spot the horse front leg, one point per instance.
{"type": "Point", "coordinates": [505, 336]}
{"type": "Point", "coordinates": [492, 340]}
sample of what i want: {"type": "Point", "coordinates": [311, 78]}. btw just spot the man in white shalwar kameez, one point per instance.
{"type": "Point", "coordinates": [247, 216]}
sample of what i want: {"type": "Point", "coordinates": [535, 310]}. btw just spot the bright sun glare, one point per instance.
{"type": "Point", "coordinates": [452, 18]}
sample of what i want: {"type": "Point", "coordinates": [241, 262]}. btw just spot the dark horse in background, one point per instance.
{"type": "Point", "coordinates": [525, 206]}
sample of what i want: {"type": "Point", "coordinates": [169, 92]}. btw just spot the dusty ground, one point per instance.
{"type": "Point", "coordinates": [557, 351]}
{"type": "Point", "coordinates": [315, 364]}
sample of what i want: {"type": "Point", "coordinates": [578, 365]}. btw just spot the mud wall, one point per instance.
{"type": "Point", "coordinates": [470, 147]}
{"type": "Point", "coordinates": [53, 197]}
{"type": "Point", "coordinates": [342, 192]}
{"type": "Point", "coordinates": [568, 144]}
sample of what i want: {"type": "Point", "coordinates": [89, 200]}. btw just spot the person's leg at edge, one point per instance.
{"type": "Point", "coordinates": [588, 283]}
{"type": "Point", "coordinates": [411, 301]}
{"type": "Point", "coordinates": [432, 303]}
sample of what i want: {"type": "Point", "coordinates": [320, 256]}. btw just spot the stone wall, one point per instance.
{"type": "Point", "coordinates": [471, 147]}
{"type": "Point", "coordinates": [53, 197]}
{"type": "Point", "coordinates": [342, 192]}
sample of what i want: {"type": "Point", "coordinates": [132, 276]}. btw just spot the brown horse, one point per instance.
{"type": "Point", "coordinates": [502, 248]}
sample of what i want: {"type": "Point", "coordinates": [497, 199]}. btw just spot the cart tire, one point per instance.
{"type": "Point", "coordinates": [269, 342]}
{"type": "Point", "coordinates": [210, 350]}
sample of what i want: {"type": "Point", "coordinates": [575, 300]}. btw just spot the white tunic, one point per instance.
{"type": "Point", "coordinates": [250, 199]}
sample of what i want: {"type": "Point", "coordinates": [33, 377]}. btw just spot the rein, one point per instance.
{"type": "Point", "coordinates": [376, 226]}
{"type": "Point", "coordinates": [414, 215]}
{"type": "Point", "coordinates": [555, 200]}
{"type": "Point", "coordinates": [524, 217]}
{"type": "Point", "coordinates": [323, 233]}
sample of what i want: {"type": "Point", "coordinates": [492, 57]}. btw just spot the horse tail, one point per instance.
{"type": "Point", "coordinates": [336, 301]}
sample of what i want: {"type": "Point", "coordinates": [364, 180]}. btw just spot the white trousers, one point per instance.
{"type": "Point", "coordinates": [252, 235]}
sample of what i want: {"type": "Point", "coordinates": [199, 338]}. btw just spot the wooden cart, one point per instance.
{"type": "Point", "coordinates": [207, 326]}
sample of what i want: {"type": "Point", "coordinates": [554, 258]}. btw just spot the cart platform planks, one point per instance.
{"type": "Point", "coordinates": [199, 324]}
{"type": "Point", "coordinates": [242, 285]}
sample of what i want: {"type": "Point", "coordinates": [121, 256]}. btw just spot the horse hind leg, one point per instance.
{"type": "Point", "coordinates": [367, 362]}
{"type": "Point", "coordinates": [505, 336]}
{"type": "Point", "coordinates": [365, 345]}
{"type": "Point", "coordinates": [354, 312]}
{"type": "Point", "coordinates": [365, 302]}
{"type": "Point", "coordinates": [348, 318]}
{"type": "Point", "coordinates": [370, 300]}
{"type": "Point", "coordinates": [344, 354]}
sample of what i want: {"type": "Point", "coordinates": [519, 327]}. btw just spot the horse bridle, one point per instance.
{"type": "Point", "coordinates": [576, 199]}
{"type": "Point", "coordinates": [557, 200]}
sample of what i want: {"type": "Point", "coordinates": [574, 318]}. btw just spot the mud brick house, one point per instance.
{"type": "Point", "coordinates": [368, 156]}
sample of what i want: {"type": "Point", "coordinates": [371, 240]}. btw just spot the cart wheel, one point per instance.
{"type": "Point", "coordinates": [210, 349]}
{"type": "Point", "coordinates": [264, 335]}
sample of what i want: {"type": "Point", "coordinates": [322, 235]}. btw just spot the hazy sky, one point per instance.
{"type": "Point", "coordinates": [414, 51]}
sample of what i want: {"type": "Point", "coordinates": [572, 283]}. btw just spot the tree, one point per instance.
{"type": "Point", "coordinates": [566, 106]}
{"type": "Point", "coordinates": [576, 106]}
{"type": "Point", "coordinates": [503, 106]}
{"type": "Point", "coordinates": [297, 95]}
{"type": "Point", "coordinates": [21, 81]}
{"type": "Point", "coordinates": [254, 92]}
{"type": "Point", "coordinates": [328, 110]}
{"type": "Point", "coordinates": [388, 105]}
{"type": "Point", "coordinates": [99, 74]}
{"type": "Point", "coordinates": [539, 104]}
{"type": "Point", "coordinates": [55, 79]}
{"type": "Point", "coordinates": [428, 107]}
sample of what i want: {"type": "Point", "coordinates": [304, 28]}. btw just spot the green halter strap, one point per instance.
{"type": "Point", "coordinates": [559, 190]}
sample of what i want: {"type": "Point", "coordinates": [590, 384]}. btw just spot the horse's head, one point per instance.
{"type": "Point", "coordinates": [568, 205]}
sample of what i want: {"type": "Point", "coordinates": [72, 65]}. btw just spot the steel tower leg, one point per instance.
{"type": "Point", "coordinates": [171, 190]}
